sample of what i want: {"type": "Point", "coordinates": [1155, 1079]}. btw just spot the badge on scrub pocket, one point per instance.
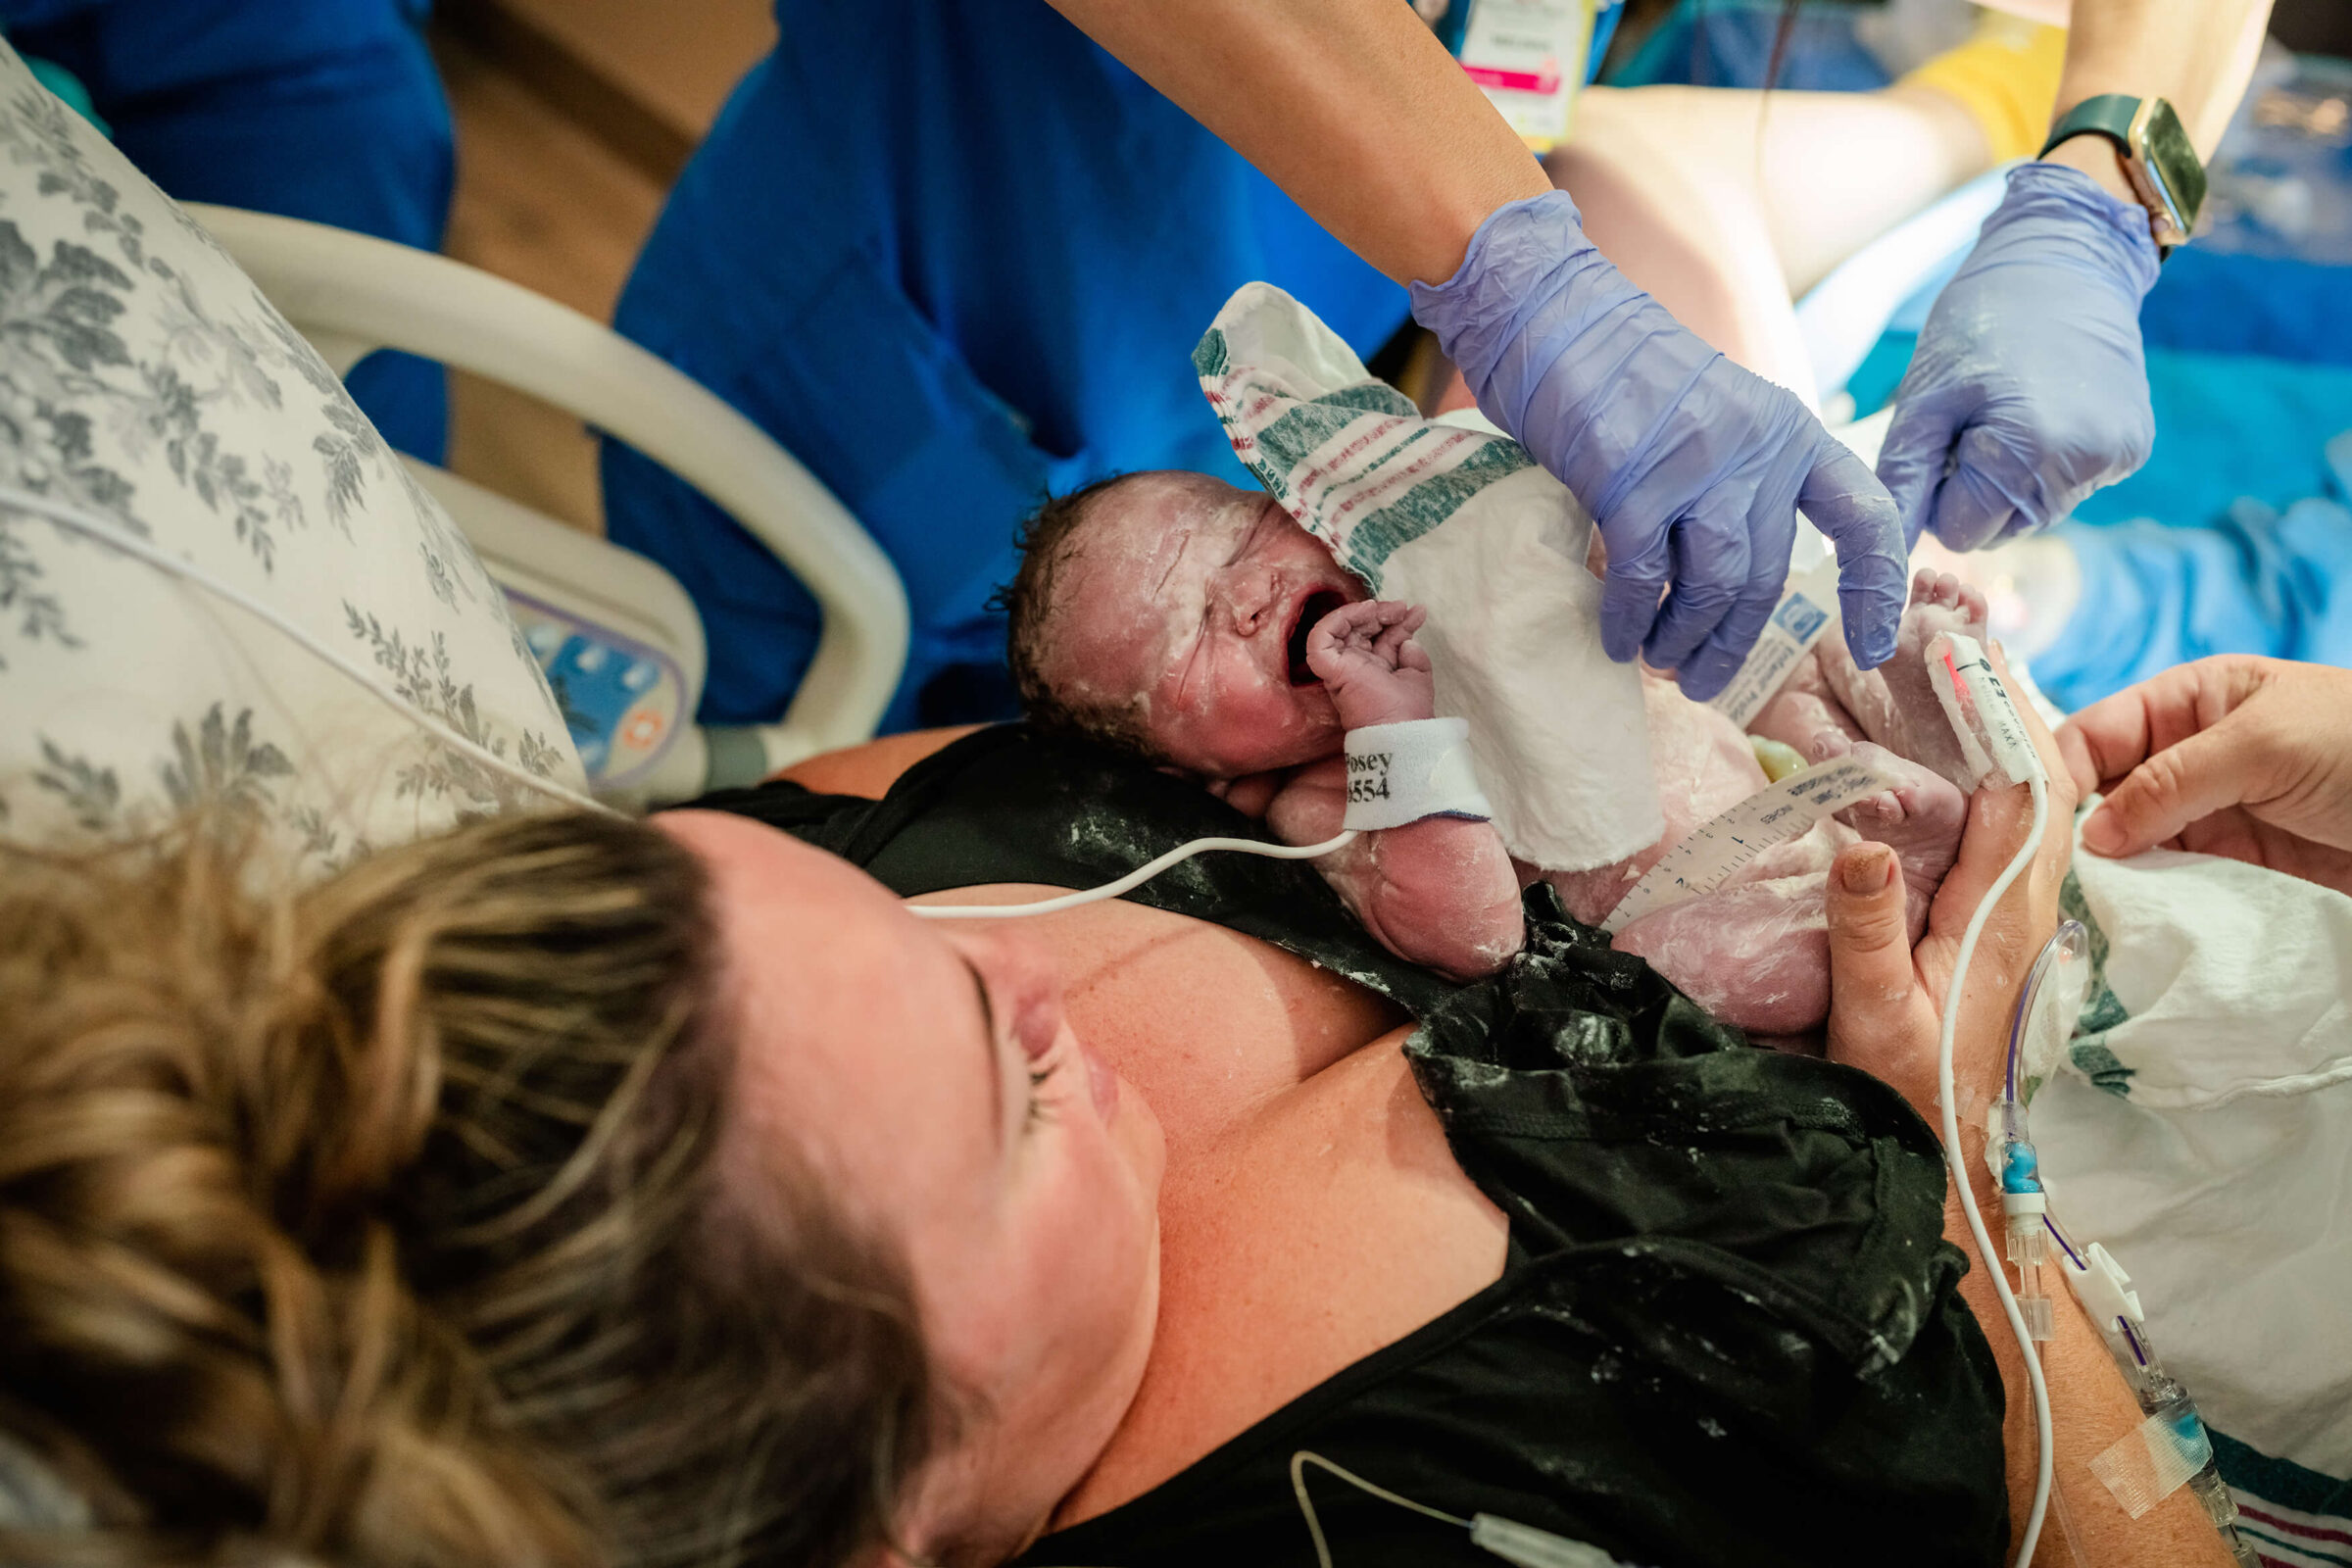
{"type": "Point", "coordinates": [1529, 57]}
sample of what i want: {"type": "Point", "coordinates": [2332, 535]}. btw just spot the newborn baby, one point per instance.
{"type": "Point", "coordinates": [1199, 627]}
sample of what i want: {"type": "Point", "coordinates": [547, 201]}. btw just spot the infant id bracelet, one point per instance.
{"type": "Point", "coordinates": [1400, 773]}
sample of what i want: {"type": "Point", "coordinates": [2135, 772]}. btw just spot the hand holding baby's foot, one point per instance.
{"type": "Point", "coordinates": [1365, 656]}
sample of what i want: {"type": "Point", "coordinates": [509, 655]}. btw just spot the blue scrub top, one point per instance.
{"type": "Point", "coordinates": [952, 256]}
{"type": "Point", "coordinates": [325, 110]}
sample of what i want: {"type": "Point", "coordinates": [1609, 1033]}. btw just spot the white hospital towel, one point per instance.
{"type": "Point", "coordinates": [1459, 521]}
{"type": "Point", "coordinates": [2202, 1129]}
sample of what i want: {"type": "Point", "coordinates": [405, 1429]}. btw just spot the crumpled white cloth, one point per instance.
{"type": "Point", "coordinates": [1452, 516]}
{"type": "Point", "coordinates": [2202, 1130]}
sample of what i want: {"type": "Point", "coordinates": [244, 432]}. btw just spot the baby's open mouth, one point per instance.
{"type": "Point", "coordinates": [1313, 609]}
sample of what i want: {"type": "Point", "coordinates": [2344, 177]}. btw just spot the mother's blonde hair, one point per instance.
{"type": "Point", "coordinates": [379, 1223]}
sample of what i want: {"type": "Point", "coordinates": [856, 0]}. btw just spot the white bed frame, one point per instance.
{"type": "Point", "coordinates": [351, 294]}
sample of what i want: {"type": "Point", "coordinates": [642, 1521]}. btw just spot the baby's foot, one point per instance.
{"type": "Point", "coordinates": [1920, 819]}
{"type": "Point", "coordinates": [1895, 704]}
{"type": "Point", "coordinates": [1805, 715]}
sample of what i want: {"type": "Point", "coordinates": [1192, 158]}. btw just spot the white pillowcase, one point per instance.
{"type": "Point", "coordinates": [143, 379]}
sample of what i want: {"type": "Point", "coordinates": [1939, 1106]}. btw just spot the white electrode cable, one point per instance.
{"type": "Point", "coordinates": [1133, 879]}
{"type": "Point", "coordinates": [113, 535]}
{"type": "Point", "coordinates": [1947, 1097]}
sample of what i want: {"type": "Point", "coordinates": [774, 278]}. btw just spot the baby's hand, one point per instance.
{"type": "Point", "coordinates": [1365, 655]}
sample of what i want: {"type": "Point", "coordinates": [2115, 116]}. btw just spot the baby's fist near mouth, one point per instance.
{"type": "Point", "coordinates": [1365, 656]}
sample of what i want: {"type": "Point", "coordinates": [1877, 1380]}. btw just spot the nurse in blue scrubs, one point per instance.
{"type": "Point", "coordinates": [953, 255]}
{"type": "Point", "coordinates": [328, 109]}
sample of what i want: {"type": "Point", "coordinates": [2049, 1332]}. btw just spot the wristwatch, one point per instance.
{"type": "Point", "coordinates": [2157, 155]}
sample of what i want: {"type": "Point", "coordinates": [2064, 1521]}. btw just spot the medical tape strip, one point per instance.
{"type": "Point", "coordinates": [1402, 772]}
{"type": "Point", "coordinates": [1803, 616]}
{"type": "Point", "coordinates": [2155, 1458]}
{"type": "Point", "coordinates": [1705, 859]}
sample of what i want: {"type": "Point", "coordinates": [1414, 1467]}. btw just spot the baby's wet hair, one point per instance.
{"type": "Point", "coordinates": [1048, 541]}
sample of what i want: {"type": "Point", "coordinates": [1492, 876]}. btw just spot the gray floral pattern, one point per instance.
{"type": "Point", "coordinates": [146, 384]}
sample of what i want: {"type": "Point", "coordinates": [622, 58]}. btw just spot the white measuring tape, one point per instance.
{"type": "Point", "coordinates": [1707, 859]}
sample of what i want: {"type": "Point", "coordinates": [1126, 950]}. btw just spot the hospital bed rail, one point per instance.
{"type": "Point", "coordinates": [352, 294]}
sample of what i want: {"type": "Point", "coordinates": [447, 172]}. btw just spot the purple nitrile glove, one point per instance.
{"type": "Point", "coordinates": [1693, 468]}
{"type": "Point", "coordinates": [2028, 389]}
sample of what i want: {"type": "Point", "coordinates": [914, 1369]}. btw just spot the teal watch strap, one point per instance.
{"type": "Point", "coordinates": [2109, 115]}
{"type": "Point", "coordinates": [2158, 158]}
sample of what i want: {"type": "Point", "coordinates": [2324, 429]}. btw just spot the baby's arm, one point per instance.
{"type": "Point", "coordinates": [1439, 892]}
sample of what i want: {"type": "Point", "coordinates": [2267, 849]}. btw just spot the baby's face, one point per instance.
{"type": "Point", "coordinates": [1193, 599]}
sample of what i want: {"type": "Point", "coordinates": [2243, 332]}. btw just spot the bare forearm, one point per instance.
{"type": "Point", "coordinates": [2197, 53]}
{"type": "Point", "coordinates": [1440, 892]}
{"type": "Point", "coordinates": [1352, 107]}
{"type": "Point", "coordinates": [2092, 1408]}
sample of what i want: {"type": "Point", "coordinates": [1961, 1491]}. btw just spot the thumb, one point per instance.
{"type": "Point", "coordinates": [1873, 992]}
{"type": "Point", "coordinates": [2181, 784]}
{"type": "Point", "coordinates": [1870, 942]}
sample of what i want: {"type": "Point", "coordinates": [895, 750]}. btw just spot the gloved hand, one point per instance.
{"type": "Point", "coordinates": [2028, 389]}
{"type": "Point", "coordinates": [1693, 468]}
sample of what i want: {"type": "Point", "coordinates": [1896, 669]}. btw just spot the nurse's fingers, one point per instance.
{"type": "Point", "coordinates": [2179, 785]}
{"type": "Point", "coordinates": [1980, 500]}
{"type": "Point", "coordinates": [1772, 535]}
{"type": "Point", "coordinates": [1846, 503]}
{"type": "Point", "coordinates": [2267, 737]}
{"type": "Point", "coordinates": [1710, 669]}
{"type": "Point", "coordinates": [2116, 734]}
{"type": "Point", "coordinates": [1628, 597]}
{"type": "Point", "coordinates": [1711, 555]}
{"type": "Point", "coordinates": [1911, 460]}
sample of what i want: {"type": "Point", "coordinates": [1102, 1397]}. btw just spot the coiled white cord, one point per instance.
{"type": "Point", "coordinates": [1133, 879]}
{"type": "Point", "coordinates": [113, 535]}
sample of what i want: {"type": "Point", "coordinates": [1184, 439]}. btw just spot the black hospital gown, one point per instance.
{"type": "Point", "coordinates": [1726, 1331]}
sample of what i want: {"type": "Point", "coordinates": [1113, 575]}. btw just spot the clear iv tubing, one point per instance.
{"type": "Point", "coordinates": [1947, 1095]}
{"type": "Point", "coordinates": [113, 535]}
{"type": "Point", "coordinates": [1133, 879]}
{"type": "Point", "coordinates": [2049, 1218]}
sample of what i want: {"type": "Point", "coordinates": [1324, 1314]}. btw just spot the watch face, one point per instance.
{"type": "Point", "coordinates": [2160, 146]}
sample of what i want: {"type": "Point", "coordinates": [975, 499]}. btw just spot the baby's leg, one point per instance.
{"type": "Point", "coordinates": [1895, 704]}
{"type": "Point", "coordinates": [1807, 715]}
{"type": "Point", "coordinates": [1920, 818]}
{"type": "Point", "coordinates": [1757, 954]}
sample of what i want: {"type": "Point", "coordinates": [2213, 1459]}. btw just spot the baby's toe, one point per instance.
{"type": "Point", "coordinates": [1973, 604]}
{"type": "Point", "coordinates": [1883, 810]}
{"type": "Point", "coordinates": [1933, 801]}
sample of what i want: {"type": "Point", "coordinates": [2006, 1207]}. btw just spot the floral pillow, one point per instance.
{"type": "Point", "coordinates": [145, 382]}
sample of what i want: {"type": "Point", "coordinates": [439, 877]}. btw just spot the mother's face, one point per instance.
{"type": "Point", "coordinates": [929, 1078]}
